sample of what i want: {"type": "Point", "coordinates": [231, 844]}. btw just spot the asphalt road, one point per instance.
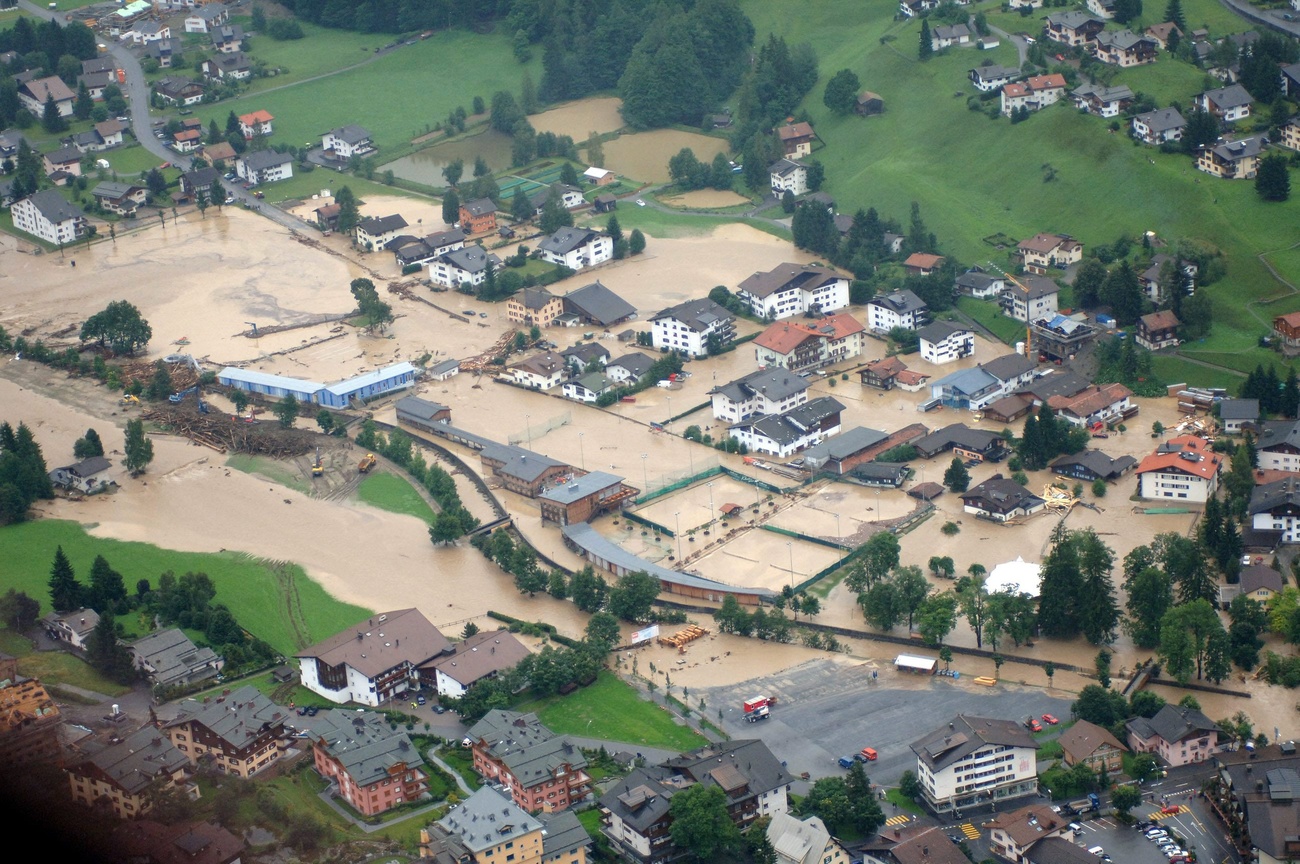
{"type": "Point", "coordinates": [826, 710]}
{"type": "Point", "coordinates": [136, 91]}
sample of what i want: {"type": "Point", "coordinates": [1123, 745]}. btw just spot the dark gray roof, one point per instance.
{"type": "Point", "coordinates": [1056, 384]}
{"type": "Point", "coordinates": [599, 304]}
{"type": "Point", "coordinates": [562, 833]}
{"type": "Point", "coordinates": [421, 409]}
{"type": "Point", "coordinates": [532, 752]}
{"type": "Point", "coordinates": [237, 719]}
{"type": "Point", "coordinates": [1097, 463]}
{"type": "Point", "coordinates": [813, 411]}
{"type": "Point", "coordinates": [1058, 850]}
{"type": "Point", "coordinates": [487, 819]}
{"type": "Point", "coordinates": [382, 224]}
{"type": "Point", "coordinates": [1009, 366]}
{"type": "Point", "coordinates": [642, 798]}
{"type": "Point", "coordinates": [535, 298]}
{"type": "Point", "coordinates": [994, 72]}
{"type": "Point", "coordinates": [351, 133]}
{"type": "Point", "coordinates": [1162, 119]}
{"type": "Point", "coordinates": [581, 487]}
{"type": "Point", "coordinates": [172, 655]}
{"type": "Point", "coordinates": [937, 331]}
{"type": "Point", "coordinates": [64, 155]}
{"type": "Point", "coordinates": [964, 735]}
{"type": "Point", "coordinates": [519, 462]}
{"type": "Point", "coordinates": [891, 471]}
{"type": "Point", "coordinates": [1232, 96]}
{"type": "Point", "coordinates": [1244, 148]}
{"type": "Point", "coordinates": [728, 762]}
{"type": "Point", "coordinates": [135, 763]}
{"type": "Point", "coordinates": [585, 352]}
{"type": "Point", "coordinates": [260, 160]}
{"type": "Point", "coordinates": [845, 444]}
{"type": "Point", "coordinates": [958, 434]}
{"type": "Point", "coordinates": [1239, 409]}
{"type": "Point", "coordinates": [1174, 723]}
{"type": "Point", "coordinates": [566, 239]}
{"type": "Point", "coordinates": [1278, 433]}
{"type": "Point", "coordinates": [109, 189]}
{"type": "Point", "coordinates": [776, 384]}
{"type": "Point", "coordinates": [900, 302]}
{"type": "Point", "coordinates": [975, 281]}
{"type": "Point", "coordinates": [480, 206]}
{"type": "Point", "coordinates": [201, 178]}
{"type": "Point", "coordinates": [471, 259]}
{"type": "Point", "coordinates": [1072, 20]}
{"type": "Point", "coordinates": [228, 33]}
{"type": "Point", "coordinates": [1258, 576]}
{"type": "Point", "coordinates": [365, 744]}
{"type": "Point", "coordinates": [785, 167]}
{"type": "Point", "coordinates": [636, 363]}
{"type": "Point", "coordinates": [1000, 495]}
{"type": "Point", "coordinates": [785, 277]}
{"type": "Point", "coordinates": [1280, 495]}
{"type": "Point", "coordinates": [698, 315]}
{"type": "Point", "coordinates": [89, 466]}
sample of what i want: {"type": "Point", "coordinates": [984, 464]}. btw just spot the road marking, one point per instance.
{"type": "Point", "coordinates": [971, 832]}
{"type": "Point", "coordinates": [898, 820]}
{"type": "Point", "coordinates": [1182, 808]}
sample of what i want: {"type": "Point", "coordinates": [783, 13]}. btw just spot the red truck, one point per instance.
{"type": "Point", "coordinates": [757, 709]}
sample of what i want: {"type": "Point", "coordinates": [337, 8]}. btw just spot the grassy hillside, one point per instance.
{"type": "Point", "coordinates": [975, 177]}
{"type": "Point", "coordinates": [272, 600]}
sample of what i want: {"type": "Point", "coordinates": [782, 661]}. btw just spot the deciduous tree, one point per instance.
{"type": "Point", "coordinates": [138, 448]}
{"type": "Point", "coordinates": [119, 327]}
{"type": "Point", "coordinates": [701, 824]}
{"type": "Point", "coordinates": [841, 95]}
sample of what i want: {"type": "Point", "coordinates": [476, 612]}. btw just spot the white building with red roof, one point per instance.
{"type": "Point", "coordinates": [1182, 469]}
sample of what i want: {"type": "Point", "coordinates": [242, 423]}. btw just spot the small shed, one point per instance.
{"type": "Point", "coordinates": [604, 203]}
{"type": "Point", "coordinates": [599, 176]}
{"type": "Point", "coordinates": [870, 103]}
{"type": "Point", "coordinates": [731, 510]}
{"type": "Point", "coordinates": [916, 663]}
{"type": "Point", "coordinates": [926, 491]}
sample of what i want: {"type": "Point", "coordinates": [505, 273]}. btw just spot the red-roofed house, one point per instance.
{"type": "Point", "coordinates": [796, 139]}
{"type": "Point", "coordinates": [1181, 469]}
{"type": "Point", "coordinates": [922, 263]}
{"type": "Point", "coordinates": [797, 346]}
{"type": "Point", "coordinates": [187, 140]}
{"type": "Point", "coordinates": [1158, 330]}
{"type": "Point", "coordinates": [1035, 94]}
{"type": "Point", "coordinates": [1108, 403]}
{"type": "Point", "coordinates": [1287, 328]}
{"type": "Point", "coordinates": [1043, 251]}
{"type": "Point", "coordinates": [256, 123]}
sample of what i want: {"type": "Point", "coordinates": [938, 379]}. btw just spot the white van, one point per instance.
{"type": "Point", "coordinates": [1096, 850]}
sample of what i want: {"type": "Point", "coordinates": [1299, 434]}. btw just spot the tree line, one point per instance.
{"type": "Point", "coordinates": [452, 520]}
{"type": "Point", "coordinates": [23, 475]}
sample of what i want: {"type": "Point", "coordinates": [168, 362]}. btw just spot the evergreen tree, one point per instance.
{"type": "Point", "coordinates": [956, 478]}
{"type": "Point", "coordinates": [451, 207]}
{"type": "Point", "coordinates": [84, 105]}
{"type": "Point", "coordinates": [926, 48]}
{"type": "Point", "coordinates": [1150, 596]}
{"type": "Point", "coordinates": [138, 448]}
{"type": "Point", "coordinates": [1289, 403]}
{"type": "Point", "coordinates": [106, 654]}
{"type": "Point", "coordinates": [349, 212]}
{"type": "Point", "coordinates": [636, 242]}
{"type": "Point", "coordinates": [1088, 281]}
{"type": "Point", "coordinates": [107, 588]}
{"type": "Point", "coordinates": [1096, 608]}
{"type": "Point", "coordinates": [521, 206]}
{"type": "Point", "coordinates": [1123, 293]}
{"type": "Point", "coordinates": [65, 590]}
{"type": "Point", "coordinates": [1273, 181]}
{"type": "Point", "coordinates": [52, 121]}
{"type": "Point", "coordinates": [1174, 14]}
{"type": "Point", "coordinates": [1062, 584]}
{"type": "Point", "coordinates": [841, 95]}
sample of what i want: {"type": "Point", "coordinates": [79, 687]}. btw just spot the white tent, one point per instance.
{"type": "Point", "coordinates": [1017, 576]}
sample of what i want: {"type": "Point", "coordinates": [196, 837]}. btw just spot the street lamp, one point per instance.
{"type": "Point", "coordinates": [839, 540]}
{"type": "Point", "coordinates": [678, 516]}
{"type": "Point", "coordinates": [645, 476]}
{"type": "Point", "coordinates": [710, 485]}
{"type": "Point", "coordinates": [582, 455]}
{"type": "Point", "coordinates": [878, 516]}
{"type": "Point", "coordinates": [529, 427]}
{"type": "Point", "coordinates": [790, 548]}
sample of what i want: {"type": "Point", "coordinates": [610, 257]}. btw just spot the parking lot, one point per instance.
{"type": "Point", "coordinates": [830, 708]}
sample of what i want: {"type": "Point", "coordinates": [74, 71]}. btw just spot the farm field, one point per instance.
{"type": "Point", "coordinates": [258, 593]}
{"type": "Point", "coordinates": [321, 50]}
{"type": "Point", "coordinates": [928, 147]}
{"type": "Point", "coordinates": [397, 97]}
{"type": "Point", "coordinates": [394, 494]}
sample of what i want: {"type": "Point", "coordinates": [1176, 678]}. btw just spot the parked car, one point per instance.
{"type": "Point", "coordinates": [846, 761]}
{"type": "Point", "coordinates": [438, 709]}
{"type": "Point", "coordinates": [1033, 725]}
{"type": "Point", "coordinates": [1170, 809]}
{"type": "Point", "coordinates": [1050, 720]}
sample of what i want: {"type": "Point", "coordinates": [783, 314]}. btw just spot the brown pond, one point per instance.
{"type": "Point", "coordinates": [644, 156]}
{"type": "Point", "coordinates": [425, 166]}
{"type": "Point", "coordinates": [579, 119]}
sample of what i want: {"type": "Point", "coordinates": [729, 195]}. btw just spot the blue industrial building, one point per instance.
{"type": "Point", "coordinates": [366, 386]}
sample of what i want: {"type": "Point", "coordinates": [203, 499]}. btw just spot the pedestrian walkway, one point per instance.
{"type": "Point", "coordinates": [898, 820]}
{"type": "Point", "coordinates": [970, 831]}
{"type": "Point", "coordinates": [1182, 808]}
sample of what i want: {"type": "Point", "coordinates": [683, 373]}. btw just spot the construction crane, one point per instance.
{"type": "Point", "coordinates": [1029, 336]}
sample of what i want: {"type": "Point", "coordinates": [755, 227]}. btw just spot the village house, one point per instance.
{"type": "Point", "coordinates": [790, 346]}
{"type": "Point", "coordinates": [34, 93]}
{"type": "Point", "coordinates": [409, 251]}
{"type": "Point", "coordinates": [843, 335]}
{"type": "Point", "coordinates": [65, 160]}
{"type": "Point", "coordinates": [264, 166]}
{"type": "Point", "coordinates": [521, 470]}
{"type": "Point", "coordinates": [534, 307]}
{"type": "Point", "coordinates": [478, 216]}
{"type": "Point", "coordinates": [1042, 252]}
{"type": "Point", "coordinates": [422, 414]}
{"type": "Point", "coordinates": [101, 136]}
{"type": "Point", "coordinates": [1291, 79]}
{"type": "Point", "coordinates": [375, 766]}
{"type": "Point", "coordinates": [595, 304]}
{"type": "Point", "coordinates": [577, 248]}
{"type": "Point", "coordinates": [783, 435]}
{"type": "Point", "coordinates": [88, 476]}
{"type": "Point", "coordinates": [236, 67]}
{"type": "Point", "coordinates": [793, 289]}
{"type": "Point", "coordinates": [882, 374]}
{"type": "Point", "coordinates": [204, 18]}
{"type": "Point", "coordinates": [1088, 744]}
{"type": "Point", "coordinates": [788, 176]}
{"type": "Point", "coordinates": [570, 197]}
{"type": "Point", "coordinates": [976, 283]}
{"type": "Point", "coordinates": [1228, 104]}
{"type": "Point", "coordinates": [1158, 330]}
{"type": "Point", "coordinates": [946, 36]}
{"type": "Point", "coordinates": [1011, 835]}
{"type": "Point", "coordinates": [540, 371]}
{"type": "Point", "coordinates": [1102, 8]}
{"type": "Point", "coordinates": [143, 32]}
{"type": "Point", "coordinates": [1232, 160]}
{"type": "Point", "coordinates": [1182, 469]}
{"type": "Point", "coordinates": [466, 265]}
{"type": "Point", "coordinates": [922, 263]}
{"type": "Point", "coordinates": [1177, 735]}
{"type": "Point", "coordinates": [848, 450]}
{"type": "Point", "coordinates": [1102, 101]}
{"type": "Point", "coordinates": [605, 202]}
{"type": "Point", "coordinates": [49, 216]}
{"type": "Point", "coordinates": [200, 181]}
{"type": "Point", "coordinates": [689, 327]}
{"type": "Point", "coordinates": [486, 654]}
{"type": "Point", "coordinates": [900, 309]}
{"type": "Point", "coordinates": [972, 759]}
{"type": "Point", "coordinates": [630, 368]}
{"type": "Point", "coordinates": [125, 777]}
{"type": "Point", "coordinates": [95, 82]}
{"type": "Point", "coordinates": [979, 386]}
{"type": "Point", "coordinates": [1124, 48]}
{"type": "Point", "coordinates": [187, 140]}
{"type": "Point", "coordinates": [767, 391]}
{"type": "Point", "coordinates": [255, 123]}
{"type": "Point", "coordinates": [376, 232]}
{"type": "Point", "coordinates": [1036, 303]}
{"type": "Point", "coordinates": [541, 770]}
{"type": "Point", "coordinates": [164, 50]}
{"type": "Point", "coordinates": [1001, 500]}
{"type": "Point", "coordinates": [1238, 415]}
{"type": "Point", "coordinates": [796, 139]}
{"type": "Point", "coordinates": [347, 141]}
{"type": "Point", "coordinates": [168, 658]}
{"type": "Point", "coordinates": [1276, 507]}
{"type": "Point", "coordinates": [636, 810]}
{"type": "Point", "coordinates": [469, 833]}
{"type": "Point", "coordinates": [965, 443]}
{"type": "Point", "coordinates": [588, 387]}
{"type": "Point", "coordinates": [1103, 404]}
{"type": "Point", "coordinates": [1259, 787]}
{"type": "Point", "coordinates": [1290, 133]}
{"type": "Point", "coordinates": [581, 499]}
{"type": "Point", "coordinates": [376, 660]}
{"type": "Point", "coordinates": [913, 8]}
{"type": "Point", "coordinates": [228, 38]}
{"type": "Point", "coordinates": [804, 841]}
{"type": "Point", "coordinates": [238, 733]}
{"type": "Point", "coordinates": [73, 627]}
{"type": "Point", "coordinates": [599, 176]}
{"type": "Point", "coordinates": [942, 342]}
{"type": "Point", "coordinates": [1260, 582]}
{"type": "Point", "coordinates": [1034, 94]}
{"type": "Point", "coordinates": [583, 354]}
{"type": "Point", "coordinates": [1161, 33]}
{"type": "Point", "coordinates": [179, 91]}
{"type": "Point", "coordinates": [1149, 278]}
{"type": "Point", "coordinates": [1073, 28]}
{"type": "Point", "coordinates": [1286, 328]}
{"type": "Point", "coordinates": [120, 198]}
{"type": "Point", "coordinates": [992, 77]}
{"type": "Point", "coordinates": [1091, 465]}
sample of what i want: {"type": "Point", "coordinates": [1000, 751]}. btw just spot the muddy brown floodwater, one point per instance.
{"type": "Point", "coordinates": [579, 119]}
{"type": "Point", "coordinates": [644, 155]}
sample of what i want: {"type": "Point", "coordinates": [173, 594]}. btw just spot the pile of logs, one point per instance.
{"type": "Point", "coordinates": [483, 362]}
{"type": "Point", "coordinates": [226, 433]}
{"type": "Point", "coordinates": [684, 637]}
{"type": "Point", "coordinates": [182, 374]}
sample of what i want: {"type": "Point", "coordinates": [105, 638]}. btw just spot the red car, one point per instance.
{"type": "Point", "coordinates": [1171, 809]}
{"type": "Point", "coordinates": [1033, 725]}
{"type": "Point", "coordinates": [1050, 720]}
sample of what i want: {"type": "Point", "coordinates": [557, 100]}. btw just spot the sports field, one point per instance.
{"type": "Point", "coordinates": [693, 502]}
{"type": "Point", "coordinates": [763, 559]}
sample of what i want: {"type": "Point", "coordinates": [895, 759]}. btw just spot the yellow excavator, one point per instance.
{"type": "Point", "coordinates": [317, 468]}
